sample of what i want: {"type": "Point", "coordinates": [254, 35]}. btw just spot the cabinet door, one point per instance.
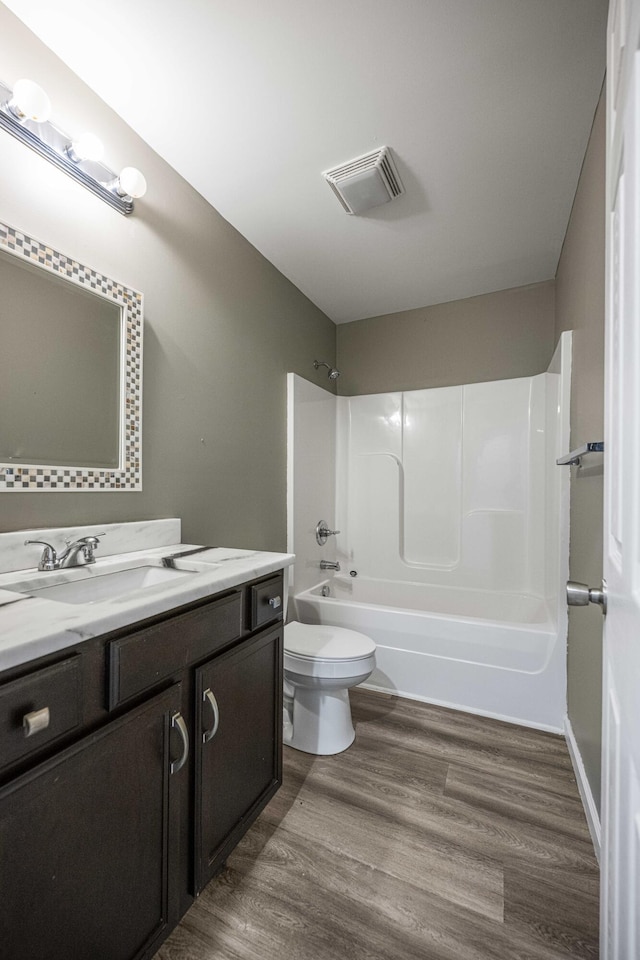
{"type": "Point", "coordinates": [87, 843]}
{"type": "Point", "coordinates": [239, 757]}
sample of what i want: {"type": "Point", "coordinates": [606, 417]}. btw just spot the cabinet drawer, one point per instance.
{"type": "Point", "coordinates": [143, 659]}
{"type": "Point", "coordinates": [267, 602]}
{"type": "Point", "coordinates": [25, 725]}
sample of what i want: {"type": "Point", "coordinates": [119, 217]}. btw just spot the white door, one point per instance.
{"type": "Point", "coordinates": [620, 914]}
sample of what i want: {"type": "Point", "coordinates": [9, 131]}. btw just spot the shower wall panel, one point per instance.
{"type": "Point", "coordinates": [432, 473]}
{"type": "Point", "coordinates": [447, 485]}
{"type": "Point", "coordinates": [311, 494]}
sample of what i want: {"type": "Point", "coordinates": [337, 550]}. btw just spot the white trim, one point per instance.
{"type": "Point", "coordinates": [586, 795]}
{"type": "Point", "coordinates": [463, 708]}
{"type": "Point", "coordinates": [291, 409]}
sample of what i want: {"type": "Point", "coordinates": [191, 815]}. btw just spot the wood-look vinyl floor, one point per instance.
{"type": "Point", "coordinates": [437, 836]}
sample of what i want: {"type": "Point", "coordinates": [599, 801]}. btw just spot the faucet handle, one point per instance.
{"type": "Point", "coordinates": [90, 543]}
{"type": "Point", "coordinates": [323, 532]}
{"type": "Point", "coordinates": [93, 539]}
{"type": "Point", "coordinates": [49, 558]}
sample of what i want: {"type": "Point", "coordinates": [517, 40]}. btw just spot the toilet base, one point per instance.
{"type": "Point", "coordinates": [322, 722]}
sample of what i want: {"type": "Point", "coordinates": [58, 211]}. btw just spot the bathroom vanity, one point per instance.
{"type": "Point", "coordinates": [133, 761]}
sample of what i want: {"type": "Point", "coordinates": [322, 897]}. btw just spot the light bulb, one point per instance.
{"type": "Point", "coordinates": [131, 183]}
{"type": "Point", "coordinates": [30, 102]}
{"type": "Point", "coordinates": [86, 147]}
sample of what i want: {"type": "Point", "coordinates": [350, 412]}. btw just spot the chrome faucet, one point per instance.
{"type": "Point", "coordinates": [78, 553]}
{"type": "Point", "coordinates": [329, 565]}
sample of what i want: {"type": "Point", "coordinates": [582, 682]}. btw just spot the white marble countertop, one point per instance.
{"type": "Point", "coordinates": [31, 626]}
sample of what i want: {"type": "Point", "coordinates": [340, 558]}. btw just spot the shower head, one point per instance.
{"type": "Point", "coordinates": [333, 373]}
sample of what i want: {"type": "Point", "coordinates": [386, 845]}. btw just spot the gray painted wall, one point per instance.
{"type": "Point", "coordinates": [580, 307]}
{"type": "Point", "coordinates": [222, 328]}
{"type": "Point", "coordinates": [492, 337]}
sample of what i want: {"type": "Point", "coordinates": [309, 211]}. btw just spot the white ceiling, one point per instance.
{"type": "Point", "coordinates": [487, 105]}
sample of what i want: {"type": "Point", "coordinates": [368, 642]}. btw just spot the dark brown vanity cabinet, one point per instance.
{"type": "Point", "coordinates": [238, 758]}
{"type": "Point", "coordinates": [87, 843]}
{"type": "Point", "coordinates": [161, 745]}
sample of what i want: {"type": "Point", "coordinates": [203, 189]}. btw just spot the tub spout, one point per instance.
{"type": "Point", "coordinates": [329, 565]}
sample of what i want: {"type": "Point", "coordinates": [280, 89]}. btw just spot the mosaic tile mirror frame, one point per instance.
{"type": "Point", "coordinates": [127, 475]}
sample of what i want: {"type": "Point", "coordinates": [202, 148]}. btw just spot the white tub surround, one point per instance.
{"type": "Point", "coordinates": [31, 626]}
{"type": "Point", "coordinates": [453, 514]}
{"type": "Point", "coordinates": [447, 486]}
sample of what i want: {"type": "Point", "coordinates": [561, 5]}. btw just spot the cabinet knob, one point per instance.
{"type": "Point", "coordinates": [275, 602]}
{"type": "Point", "coordinates": [36, 721]}
{"type": "Point", "coordinates": [177, 723]}
{"type": "Point", "coordinates": [208, 697]}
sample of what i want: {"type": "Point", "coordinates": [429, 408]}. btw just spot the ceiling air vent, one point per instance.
{"type": "Point", "coordinates": [365, 182]}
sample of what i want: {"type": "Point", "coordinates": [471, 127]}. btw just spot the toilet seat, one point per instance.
{"type": "Point", "coordinates": [323, 642]}
{"type": "Point", "coordinates": [317, 650]}
{"type": "Point", "coordinates": [328, 669]}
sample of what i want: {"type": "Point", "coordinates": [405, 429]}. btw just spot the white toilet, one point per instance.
{"type": "Point", "coordinates": [320, 664]}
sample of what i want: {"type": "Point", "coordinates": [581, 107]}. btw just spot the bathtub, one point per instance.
{"type": "Point", "coordinates": [486, 652]}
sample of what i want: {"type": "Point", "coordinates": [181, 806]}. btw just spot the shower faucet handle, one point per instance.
{"type": "Point", "coordinates": [323, 532]}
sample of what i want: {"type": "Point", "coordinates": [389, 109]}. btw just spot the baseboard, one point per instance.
{"type": "Point", "coordinates": [586, 795]}
{"type": "Point", "coordinates": [505, 718]}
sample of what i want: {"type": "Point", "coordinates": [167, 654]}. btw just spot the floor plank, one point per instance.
{"type": "Point", "coordinates": [437, 836]}
{"type": "Point", "coordinates": [551, 913]}
{"type": "Point", "coordinates": [402, 844]}
{"type": "Point", "coordinates": [465, 738]}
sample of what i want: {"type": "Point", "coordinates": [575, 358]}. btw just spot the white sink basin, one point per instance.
{"type": "Point", "coordinates": [105, 586]}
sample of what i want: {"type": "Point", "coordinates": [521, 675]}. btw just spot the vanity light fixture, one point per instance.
{"type": "Point", "coordinates": [86, 147]}
{"type": "Point", "coordinates": [25, 112]}
{"type": "Point", "coordinates": [30, 102]}
{"type": "Point", "coordinates": [130, 183]}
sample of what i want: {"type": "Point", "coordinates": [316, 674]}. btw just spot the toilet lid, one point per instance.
{"type": "Point", "coordinates": [326, 643]}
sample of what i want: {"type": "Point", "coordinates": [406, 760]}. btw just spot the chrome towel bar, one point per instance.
{"type": "Point", "coordinates": [575, 457]}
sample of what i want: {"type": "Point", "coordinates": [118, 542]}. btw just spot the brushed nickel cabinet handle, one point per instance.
{"type": "Point", "coordinates": [177, 723]}
{"type": "Point", "coordinates": [208, 697]}
{"type": "Point", "coordinates": [36, 721]}
{"type": "Point", "coordinates": [275, 602]}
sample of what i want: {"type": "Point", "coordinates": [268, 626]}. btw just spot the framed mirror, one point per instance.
{"type": "Point", "coordinates": [70, 373]}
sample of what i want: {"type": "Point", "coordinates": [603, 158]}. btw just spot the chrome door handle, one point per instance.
{"type": "Point", "coordinates": [579, 595]}
{"type": "Point", "coordinates": [275, 602]}
{"type": "Point", "coordinates": [177, 723]}
{"type": "Point", "coordinates": [208, 697]}
{"type": "Point", "coordinates": [36, 721]}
